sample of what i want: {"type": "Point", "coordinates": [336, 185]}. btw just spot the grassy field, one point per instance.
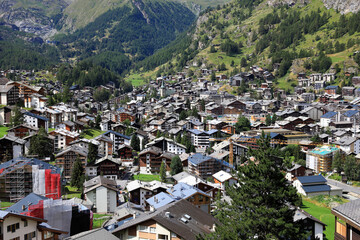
{"type": "Point", "coordinates": [146, 177]}
{"type": "Point", "coordinates": [51, 129]}
{"type": "Point", "coordinates": [136, 80]}
{"type": "Point", "coordinates": [3, 131]}
{"type": "Point", "coordinates": [99, 219]}
{"type": "Point", "coordinates": [91, 133]}
{"type": "Point", "coordinates": [323, 214]}
{"type": "Point", "coordinates": [4, 205]}
{"type": "Point", "coordinates": [72, 192]}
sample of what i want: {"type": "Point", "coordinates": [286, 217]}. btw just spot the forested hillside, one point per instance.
{"type": "Point", "coordinates": [283, 38]}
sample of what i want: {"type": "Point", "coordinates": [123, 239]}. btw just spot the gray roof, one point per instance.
{"type": "Point", "coordinates": [95, 234]}
{"type": "Point", "coordinates": [350, 210]}
{"type": "Point", "coordinates": [200, 222]}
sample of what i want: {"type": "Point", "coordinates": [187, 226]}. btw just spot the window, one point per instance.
{"type": "Point", "coordinates": [13, 227]}
{"type": "Point", "coordinates": [25, 223]}
{"type": "Point", "coordinates": [17, 238]}
{"type": "Point", "coordinates": [143, 228]}
{"type": "Point", "coordinates": [152, 230]}
{"type": "Point", "coordinates": [29, 236]}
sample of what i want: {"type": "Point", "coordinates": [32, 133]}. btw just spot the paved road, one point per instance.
{"type": "Point", "coordinates": [344, 186]}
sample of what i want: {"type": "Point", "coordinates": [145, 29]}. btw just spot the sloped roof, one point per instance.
{"type": "Point", "coordinates": [184, 191]}
{"type": "Point", "coordinates": [200, 222]}
{"type": "Point", "coordinates": [222, 176]}
{"type": "Point", "coordinates": [317, 188]}
{"type": "Point", "coordinates": [30, 199]}
{"type": "Point", "coordinates": [160, 200]}
{"type": "Point", "coordinates": [350, 210]}
{"type": "Point", "coordinates": [329, 115]}
{"type": "Point", "coordinates": [117, 134]}
{"type": "Point", "coordinates": [312, 179]}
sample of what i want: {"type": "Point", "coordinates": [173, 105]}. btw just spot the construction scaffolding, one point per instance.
{"type": "Point", "coordinates": [19, 177]}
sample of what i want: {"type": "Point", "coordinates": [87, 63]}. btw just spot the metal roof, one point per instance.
{"type": "Point", "coordinates": [317, 188]}
{"type": "Point", "coordinates": [160, 200]}
{"type": "Point", "coordinates": [312, 179]}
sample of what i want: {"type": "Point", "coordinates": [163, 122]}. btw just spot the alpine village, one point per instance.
{"type": "Point", "coordinates": [180, 119]}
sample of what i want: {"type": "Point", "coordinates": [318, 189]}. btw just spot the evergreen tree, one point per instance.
{"type": "Point", "coordinates": [274, 118]}
{"type": "Point", "coordinates": [183, 115]}
{"type": "Point", "coordinates": [162, 172]}
{"type": "Point", "coordinates": [243, 62]}
{"type": "Point", "coordinates": [352, 168]}
{"type": "Point", "coordinates": [98, 121]}
{"type": "Point", "coordinates": [243, 124]}
{"type": "Point", "coordinates": [176, 165]}
{"type": "Point", "coordinates": [92, 154]}
{"type": "Point", "coordinates": [77, 174]}
{"type": "Point", "coordinates": [178, 138]}
{"type": "Point", "coordinates": [135, 142]}
{"type": "Point", "coordinates": [17, 118]}
{"type": "Point", "coordinates": [158, 134]}
{"type": "Point", "coordinates": [338, 162]}
{"type": "Point", "coordinates": [316, 138]}
{"type": "Point", "coordinates": [213, 77]}
{"type": "Point", "coordinates": [268, 120]}
{"type": "Point", "coordinates": [40, 144]}
{"type": "Point", "coordinates": [263, 204]}
{"type": "Point", "coordinates": [202, 105]}
{"type": "Point", "coordinates": [188, 104]}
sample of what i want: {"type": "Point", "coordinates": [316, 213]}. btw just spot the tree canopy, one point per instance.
{"type": "Point", "coordinates": [40, 144]}
{"type": "Point", "coordinates": [263, 204]}
{"type": "Point", "coordinates": [176, 165]}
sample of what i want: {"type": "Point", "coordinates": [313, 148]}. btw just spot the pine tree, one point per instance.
{"type": "Point", "coordinates": [176, 165]}
{"type": "Point", "coordinates": [17, 118]}
{"type": "Point", "coordinates": [263, 204]}
{"type": "Point", "coordinates": [268, 120]}
{"type": "Point", "coordinates": [40, 144]}
{"type": "Point", "coordinates": [162, 172]}
{"type": "Point", "coordinates": [77, 174]}
{"type": "Point", "coordinates": [97, 121]}
{"type": "Point", "coordinates": [338, 162]}
{"type": "Point", "coordinates": [135, 142]}
{"type": "Point", "coordinates": [92, 154]}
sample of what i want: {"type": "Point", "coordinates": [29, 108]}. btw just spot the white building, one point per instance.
{"type": "Point", "coordinates": [36, 120]}
{"type": "Point", "coordinates": [102, 192]}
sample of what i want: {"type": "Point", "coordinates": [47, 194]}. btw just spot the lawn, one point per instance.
{"type": "Point", "coordinates": [99, 219]}
{"type": "Point", "coordinates": [71, 192]}
{"type": "Point", "coordinates": [51, 129]}
{"type": "Point", "coordinates": [4, 205]}
{"type": "Point", "coordinates": [3, 131]}
{"type": "Point", "coordinates": [146, 177]}
{"type": "Point", "coordinates": [136, 80]}
{"type": "Point", "coordinates": [91, 133]}
{"type": "Point", "coordinates": [323, 214]}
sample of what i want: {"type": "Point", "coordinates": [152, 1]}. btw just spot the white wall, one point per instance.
{"type": "Point", "coordinates": [31, 227]}
{"type": "Point", "coordinates": [101, 199]}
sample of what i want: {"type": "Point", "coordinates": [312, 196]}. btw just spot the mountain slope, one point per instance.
{"type": "Point", "coordinates": [138, 29]}
{"type": "Point", "coordinates": [290, 37]}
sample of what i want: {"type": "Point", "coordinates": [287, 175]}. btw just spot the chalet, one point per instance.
{"type": "Point", "coordinates": [151, 159]}
{"type": "Point", "coordinates": [331, 90]}
{"type": "Point", "coordinates": [347, 221]}
{"type": "Point", "coordinates": [63, 138]}
{"type": "Point", "coordinates": [66, 158]}
{"type": "Point", "coordinates": [11, 147]}
{"type": "Point", "coordinates": [9, 95]}
{"type": "Point", "coordinates": [195, 196]}
{"type": "Point", "coordinates": [23, 130]}
{"type": "Point", "coordinates": [117, 139]}
{"type": "Point", "coordinates": [223, 177]}
{"type": "Point", "coordinates": [140, 191]}
{"type": "Point", "coordinates": [35, 101]}
{"type": "Point", "coordinates": [168, 145]}
{"type": "Point", "coordinates": [36, 120]}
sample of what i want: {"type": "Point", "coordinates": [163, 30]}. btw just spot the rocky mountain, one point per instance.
{"type": "Point", "coordinates": [33, 16]}
{"type": "Point", "coordinates": [344, 6]}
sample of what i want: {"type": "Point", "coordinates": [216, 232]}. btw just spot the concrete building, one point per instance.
{"type": "Point", "coordinates": [102, 192]}
{"type": "Point", "coordinates": [320, 159]}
